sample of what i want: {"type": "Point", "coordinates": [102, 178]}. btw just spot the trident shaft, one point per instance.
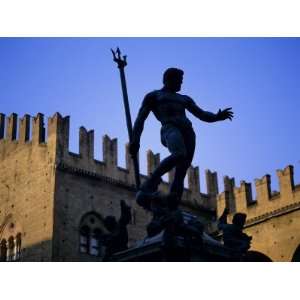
{"type": "Point", "coordinates": [122, 63]}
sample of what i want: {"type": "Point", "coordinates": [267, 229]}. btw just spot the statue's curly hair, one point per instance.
{"type": "Point", "coordinates": [172, 73]}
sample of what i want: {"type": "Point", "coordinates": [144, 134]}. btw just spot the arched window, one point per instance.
{"type": "Point", "coordinates": [90, 233]}
{"type": "Point", "coordinates": [84, 239]}
{"type": "Point", "coordinates": [3, 250]}
{"type": "Point", "coordinates": [18, 246]}
{"type": "Point", "coordinates": [11, 243]}
{"type": "Point", "coordinates": [11, 249]}
{"type": "Point", "coordinates": [95, 245]}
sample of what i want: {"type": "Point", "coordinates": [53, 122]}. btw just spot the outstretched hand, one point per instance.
{"type": "Point", "coordinates": [224, 114]}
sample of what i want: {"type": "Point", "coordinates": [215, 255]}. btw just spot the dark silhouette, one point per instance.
{"type": "Point", "coordinates": [175, 228]}
{"type": "Point", "coordinates": [3, 250]}
{"type": "Point", "coordinates": [177, 134]}
{"type": "Point", "coordinates": [233, 235]}
{"type": "Point", "coordinates": [122, 63]}
{"type": "Point", "coordinates": [117, 239]}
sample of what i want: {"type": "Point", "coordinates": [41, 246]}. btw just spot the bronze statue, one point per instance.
{"type": "Point", "coordinates": [117, 239]}
{"type": "Point", "coordinates": [177, 134]}
{"type": "Point", "coordinates": [233, 235]}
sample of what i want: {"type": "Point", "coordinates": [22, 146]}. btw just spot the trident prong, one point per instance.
{"type": "Point", "coordinates": [122, 62]}
{"type": "Point", "coordinates": [114, 54]}
{"type": "Point", "coordinates": [119, 53]}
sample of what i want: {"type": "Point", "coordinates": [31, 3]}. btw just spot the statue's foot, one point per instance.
{"type": "Point", "coordinates": [145, 199]}
{"type": "Point", "coordinates": [154, 228]}
{"type": "Point", "coordinates": [150, 185]}
{"type": "Point", "coordinates": [171, 201]}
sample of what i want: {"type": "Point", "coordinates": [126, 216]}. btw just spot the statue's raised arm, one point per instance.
{"type": "Point", "coordinates": [139, 124]}
{"type": "Point", "coordinates": [207, 116]}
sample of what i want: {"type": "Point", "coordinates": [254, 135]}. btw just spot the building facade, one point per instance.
{"type": "Point", "coordinates": [53, 201]}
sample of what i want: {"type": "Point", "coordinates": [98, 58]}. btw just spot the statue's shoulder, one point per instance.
{"type": "Point", "coordinates": [185, 98]}
{"type": "Point", "coordinates": [150, 97]}
{"type": "Point", "coordinates": [152, 94]}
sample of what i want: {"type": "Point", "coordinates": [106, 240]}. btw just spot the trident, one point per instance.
{"type": "Point", "coordinates": [122, 63]}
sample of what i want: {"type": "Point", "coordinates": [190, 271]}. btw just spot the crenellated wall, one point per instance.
{"type": "Point", "coordinates": [46, 189]}
{"type": "Point", "coordinates": [31, 133]}
{"type": "Point", "coordinates": [239, 199]}
{"type": "Point", "coordinates": [49, 188]}
{"type": "Point", "coordinates": [272, 218]}
{"type": "Point", "coordinates": [27, 180]}
{"type": "Point", "coordinates": [58, 134]}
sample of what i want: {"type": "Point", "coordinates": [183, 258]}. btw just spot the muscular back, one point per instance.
{"type": "Point", "coordinates": [169, 107]}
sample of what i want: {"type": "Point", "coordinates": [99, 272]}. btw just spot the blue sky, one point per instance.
{"type": "Point", "coordinates": [257, 77]}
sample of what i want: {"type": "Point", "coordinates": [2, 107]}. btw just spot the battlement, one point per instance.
{"type": "Point", "coordinates": [239, 199]}
{"type": "Point", "coordinates": [31, 129]}
{"type": "Point", "coordinates": [30, 133]}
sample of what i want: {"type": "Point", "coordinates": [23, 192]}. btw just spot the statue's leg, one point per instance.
{"type": "Point", "coordinates": [174, 141]}
{"type": "Point", "coordinates": [177, 185]}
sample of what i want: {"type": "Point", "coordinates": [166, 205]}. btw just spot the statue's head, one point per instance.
{"type": "Point", "coordinates": [110, 223]}
{"type": "Point", "coordinates": [239, 220]}
{"type": "Point", "coordinates": [172, 79]}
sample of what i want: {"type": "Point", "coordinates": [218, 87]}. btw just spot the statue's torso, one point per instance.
{"type": "Point", "coordinates": [169, 108]}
